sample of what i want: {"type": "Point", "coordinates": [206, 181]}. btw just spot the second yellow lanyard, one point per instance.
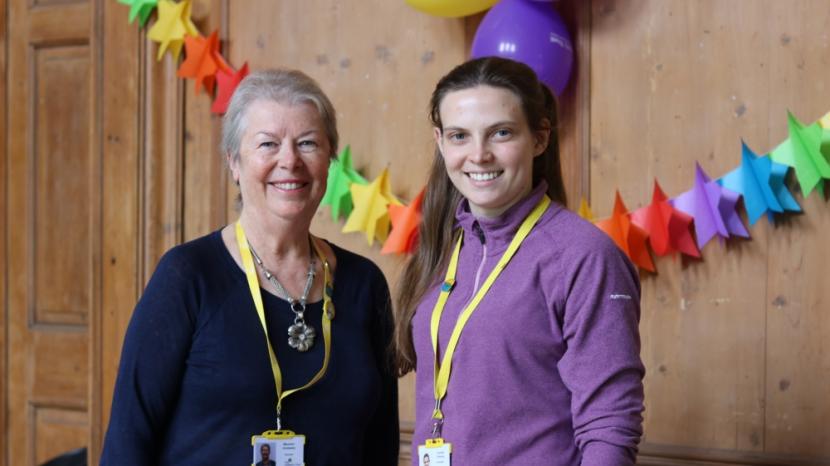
{"type": "Point", "coordinates": [441, 373]}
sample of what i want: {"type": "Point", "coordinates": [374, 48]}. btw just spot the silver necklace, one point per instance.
{"type": "Point", "coordinates": [300, 335]}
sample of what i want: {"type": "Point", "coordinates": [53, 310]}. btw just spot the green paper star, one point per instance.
{"type": "Point", "coordinates": [341, 176]}
{"type": "Point", "coordinates": [802, 151]}
{"type": "Point", "coordinates": [141, 9]}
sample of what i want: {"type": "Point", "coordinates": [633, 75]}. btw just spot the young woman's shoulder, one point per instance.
{"type": "Point", "coordinates": [572, 235]}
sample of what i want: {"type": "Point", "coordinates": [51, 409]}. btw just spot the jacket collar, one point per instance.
{"type": "Point", "coordinates": [498, 231]}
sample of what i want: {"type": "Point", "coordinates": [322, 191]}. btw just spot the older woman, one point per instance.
{"type": "Point", "coordinates": [260, 333]}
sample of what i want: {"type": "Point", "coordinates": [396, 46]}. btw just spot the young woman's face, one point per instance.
{"type": "Point", "coordinates": [283, 159]}
{"type": "Point", "coordinates": [488, 147]}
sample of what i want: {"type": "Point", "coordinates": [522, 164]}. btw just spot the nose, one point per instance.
{"type": "Point", "coordinates": [481, 152]}
{"type": "Point", "coordinates": [289, 157]}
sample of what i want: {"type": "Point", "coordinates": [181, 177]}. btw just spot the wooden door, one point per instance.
{"type": "Point", "coordinates": [53, 226]}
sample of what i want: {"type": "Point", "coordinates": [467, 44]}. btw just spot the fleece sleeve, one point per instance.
{"type": "Point", "coordinates": [152, 363]}
{"type": "Point", "coordinates": [601, 366]}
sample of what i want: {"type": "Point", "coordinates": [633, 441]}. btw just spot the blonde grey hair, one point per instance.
{"type": "Point", "coordinates": [289, 87]}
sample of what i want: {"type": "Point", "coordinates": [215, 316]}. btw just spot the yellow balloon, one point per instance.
{"type": "Point", "coordinates": [451, 8]}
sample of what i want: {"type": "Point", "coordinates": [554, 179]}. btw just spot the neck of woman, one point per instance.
{"type": "Point", "coordinates": [277, 241]}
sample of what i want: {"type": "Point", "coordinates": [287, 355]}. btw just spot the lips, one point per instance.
{"type": "Point", "coordinates": [485, 176]}
{"type": "Point", "coordinates": [290, 185]}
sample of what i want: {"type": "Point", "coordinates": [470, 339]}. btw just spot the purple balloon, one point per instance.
{"type": "Point", "coordinates": [530, 32]}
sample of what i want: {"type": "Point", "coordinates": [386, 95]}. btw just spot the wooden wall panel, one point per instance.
{"type": "Point", "coordinates": [4, 266]}
{"type": "Point", "coordinates": [676, 82]}
{"type": "Point", "coordinates": [160, 145]}
{"type": "Point", "coordinates": [798, 298]}
{"type": "Point", "coordinates": [205, 176]}
{"type": "Point", "coordinates": [118, 83]}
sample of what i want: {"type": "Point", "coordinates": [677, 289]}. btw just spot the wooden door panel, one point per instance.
{"type": "Point", "coordinates": [52, 220]}
{"type": "Point", "coordinates": [61, 278]}
{"type": "Point", "coordinates": [57, 430]}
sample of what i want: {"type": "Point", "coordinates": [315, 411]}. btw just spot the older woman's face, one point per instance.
{"type": "Point", "coordinates": [283, 159]}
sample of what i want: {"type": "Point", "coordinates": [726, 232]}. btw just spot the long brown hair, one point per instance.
{"type": "Point", "coordinates": [441, 197]}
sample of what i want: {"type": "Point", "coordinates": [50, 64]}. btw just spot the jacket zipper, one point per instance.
{"type": "Point", "coordinates": [480, 234]}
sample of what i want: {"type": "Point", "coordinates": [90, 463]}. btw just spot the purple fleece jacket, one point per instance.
{"type": "Point", "coordinates": [547, 370]}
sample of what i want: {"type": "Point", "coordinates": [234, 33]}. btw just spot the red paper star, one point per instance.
{"type": "Point", "coordinates": [669, 229]}
{"type": "Point", "coordinates": [202, 61]}
{"type": "Point", "coordinates": [629, 237]}
{"type": "Point", "coordinates": [405, 222]}
{"type": "Point", "coordinates": [227, 82]}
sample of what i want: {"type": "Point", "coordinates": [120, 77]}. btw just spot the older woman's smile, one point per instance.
{"type": "Point", "coordinates": [289, 185]}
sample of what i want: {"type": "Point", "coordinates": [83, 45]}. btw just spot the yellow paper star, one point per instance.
{"type": "Point", "coordinates": [171, 27]}
{"type": "Point", "coordinates": [370, 214]}
{"type": "Point", "coordinates": [585, 210]}
{"type": "Point", "coordinates": [825, 121]}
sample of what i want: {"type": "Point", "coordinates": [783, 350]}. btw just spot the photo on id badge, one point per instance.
{"type": "Point", "coordinates": [433, 456]}
{"type": "Point", "coordinates": [277, 452]}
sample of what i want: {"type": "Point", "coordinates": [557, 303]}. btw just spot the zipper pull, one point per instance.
{"type": "Point", "coordinates": [479, 232]}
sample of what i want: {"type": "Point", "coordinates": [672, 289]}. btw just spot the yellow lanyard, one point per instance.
{"type": "Point", "coordinates": [441, 374]}
{"type": "Point", "coordinates": [328, 315]}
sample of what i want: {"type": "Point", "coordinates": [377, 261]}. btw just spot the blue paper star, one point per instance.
{"type": "Point", "coordinates": [761, 182]}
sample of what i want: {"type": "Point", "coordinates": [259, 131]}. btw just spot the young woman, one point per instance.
{"type": "Point", "coordinates": [532, 311]}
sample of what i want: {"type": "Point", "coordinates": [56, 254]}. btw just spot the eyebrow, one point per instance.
{"type": "Point", "coordinates": [494, 125]}
{"type": "Point", "coordinates": [274, 135]}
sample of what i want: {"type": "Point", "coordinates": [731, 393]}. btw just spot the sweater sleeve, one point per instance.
{"type": "Point", "coordinates": [601, 366]}
{"type": "Point", "coordinates": [153, 358]}
{"type": "Point", "coordinates": [382, 434]}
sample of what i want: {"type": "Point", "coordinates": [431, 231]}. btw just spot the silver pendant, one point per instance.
{"type": "Point", "coordinates": [301, 336]}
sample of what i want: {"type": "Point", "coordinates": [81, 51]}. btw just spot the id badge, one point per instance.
{"type": "Point", "coordinates": [278, 448]}
{"type": "Point", "coordinates": [434, 453]}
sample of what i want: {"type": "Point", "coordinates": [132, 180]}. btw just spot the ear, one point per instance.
{"type": "Point", "coordinates": [233, 165]}
{"type": "Point", "coordinates": [439, 140]}
{"type": "Point", "coordinates": [542, 138]}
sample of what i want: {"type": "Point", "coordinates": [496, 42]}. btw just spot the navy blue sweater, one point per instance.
{"type": "Point", "coordinates": [195, 381]}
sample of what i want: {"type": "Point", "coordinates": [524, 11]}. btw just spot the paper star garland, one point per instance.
{"type": "Point", "coordinates": [713, 208]}
{"type": "Point", "coordinates": [629, 237]}
{"type": "Point", "coordinates": [405, 222]}
{"type": "Point", "coordinates": [172, 25]}
{"type": "Point", "coordinates": [227, 81]}
{"type": "Point", "coordinates": [585, 210]}
{"type": "Point", "coordinates": [202, 61]}
{"type": "Point", "coordinates": [370, 214]}
{"type": "Point", "coordinates": [669, 230]}
{"type": "Point", "coordinates": [761, 182]}
{"type": "Point", "coordinates": [140, 9]}
{"type": "Point", "coordinates": [341, 177]}
{"type": "Point", "coordinates": [802, 151]}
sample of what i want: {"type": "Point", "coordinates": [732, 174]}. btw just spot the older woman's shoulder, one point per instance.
{"type": "Point", "coordinates": [203, 253]}
{"type": "Point", "coordinates": [349, 262]}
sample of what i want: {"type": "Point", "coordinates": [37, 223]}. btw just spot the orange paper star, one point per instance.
{"type": "Point", "coordinates": [171, 27]}
{"type": "Point", "coordinates": [226, 83]}
{"type": "Point", "coordinates": [405, 222]}
{"type": "Point", "coordinates": [202, 61]}
{"type": "Point", "coordinates": [629, 237]}
{"type": "Point", "coordinates": [668, 229]}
